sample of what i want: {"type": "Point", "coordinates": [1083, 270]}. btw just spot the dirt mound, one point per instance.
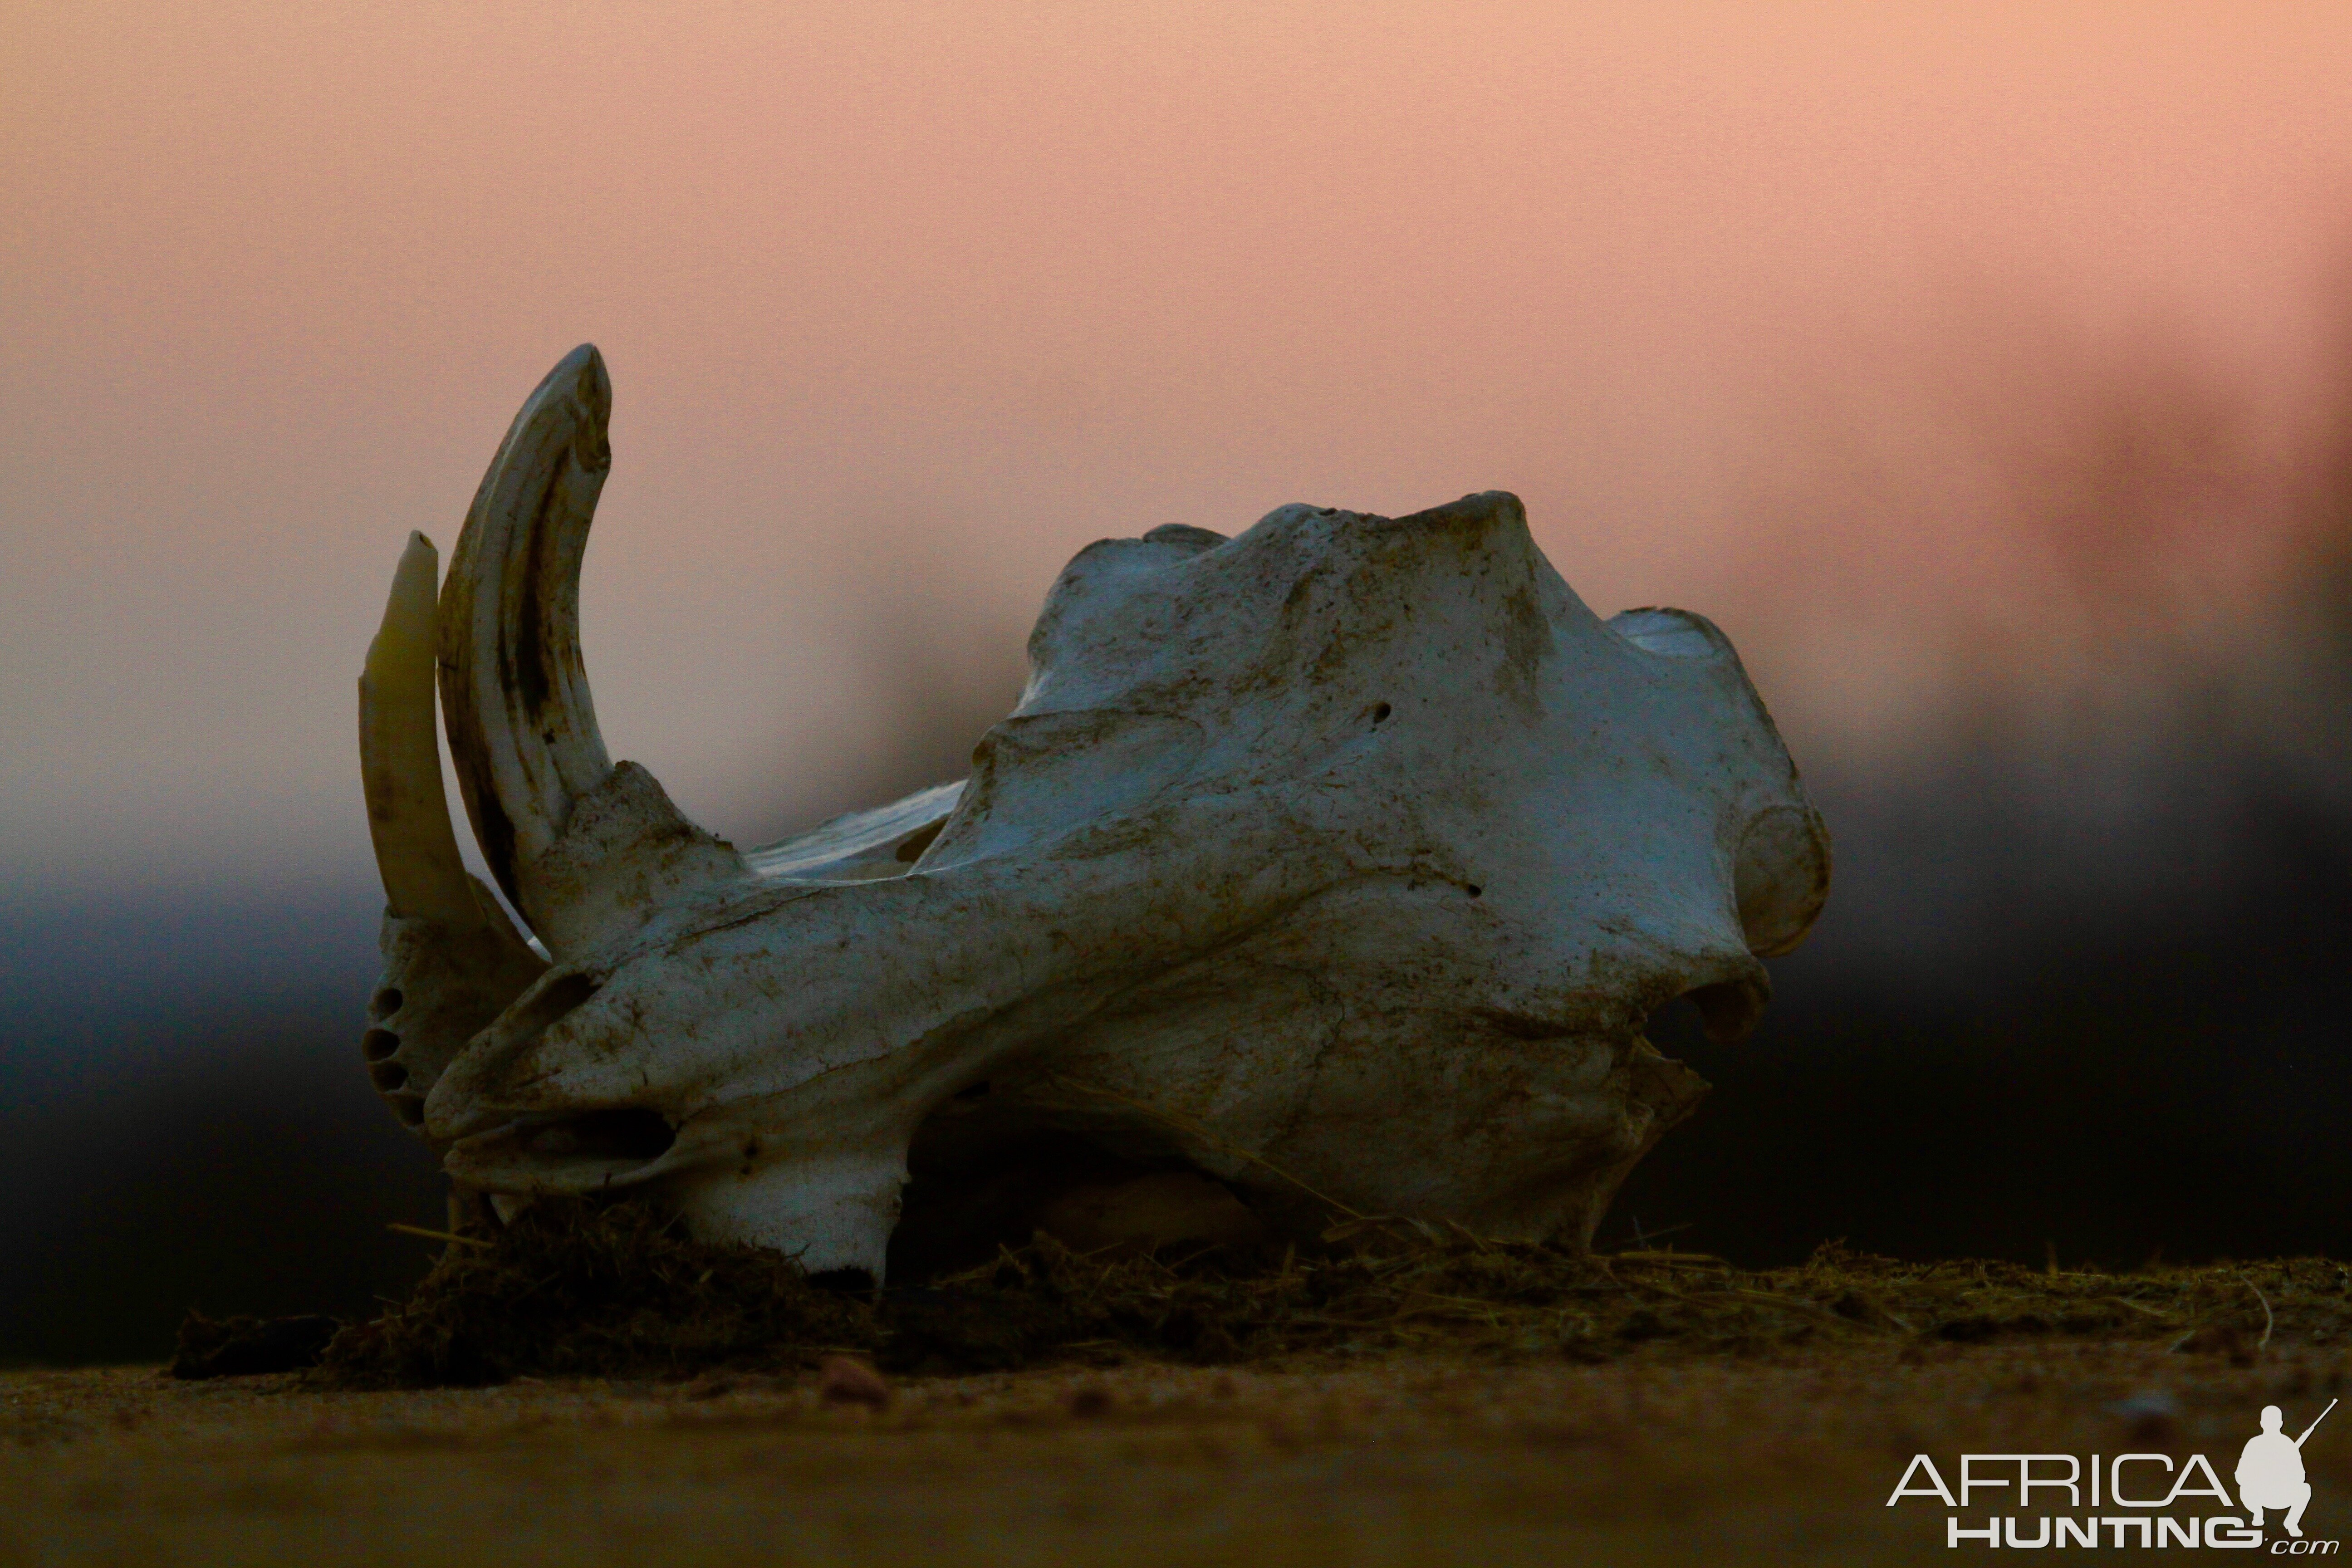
{"type": "Point", "coordinates": [582, 1288]}
{"type": "Point", "coordinates": [609, 1288]}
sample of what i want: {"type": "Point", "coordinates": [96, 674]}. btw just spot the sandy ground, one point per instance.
{"type": "Point", "coordinates": [1411, 1459]}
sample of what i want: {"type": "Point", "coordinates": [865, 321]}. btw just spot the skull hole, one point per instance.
{"type": "Point", "coordinates": [1723, 1013]}
{"type": "Point", "coordinates": [911, 849]}
{"type": "Point", "coordinates": [385, 1003]}
{"type": "Point", "coordinates": [1730, 1009]}
{"type": "Point", "coordinates": [388, 1076]}
{"type": "Point", "coordinates": [1381, 713]}
{"type": "Point", "coordinates": [410, 1108]}
{"type": "Point", "coordinates": [377, 1044]}
{"type": "Point", "coordinates": [556, 996]}
{"type": "Point", "coordinates": [625, 1133]}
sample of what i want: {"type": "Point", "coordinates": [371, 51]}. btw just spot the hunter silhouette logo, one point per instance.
{"type": "Point", "coordinates": [2270, 1471]}
{"type": "Point", "coordinates": [2146, 1499]}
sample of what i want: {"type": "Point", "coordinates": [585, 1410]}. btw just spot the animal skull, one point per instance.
{"type": "Point", "coordinates": [1341, 860]}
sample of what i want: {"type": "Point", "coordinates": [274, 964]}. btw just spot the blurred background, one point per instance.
{"type": "Point", "coordinates": [1984, 372]}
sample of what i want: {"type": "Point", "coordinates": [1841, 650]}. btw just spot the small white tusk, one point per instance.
{"type": "Point", "coordinates": [400, 754]}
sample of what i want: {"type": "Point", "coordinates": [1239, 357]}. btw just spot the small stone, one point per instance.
{"type": "Point", "coordinates": [841, 1381]}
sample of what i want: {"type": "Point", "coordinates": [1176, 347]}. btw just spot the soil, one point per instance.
{"type": "Point", "coordinates": [1402, 1456]}
{"type": "Point", "coordinates": [589, 1388]}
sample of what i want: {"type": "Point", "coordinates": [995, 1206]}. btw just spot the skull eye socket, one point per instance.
{"type": "Point", "coordinates": [625, 1133]}
{"type": "Point", "coordinates": [389, 1075]}
{"type": "Point", "coordinates": [378, 1045]}
{"type": "Point", "coordinates": [385, 1003]}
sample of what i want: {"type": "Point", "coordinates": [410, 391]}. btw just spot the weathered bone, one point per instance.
{"type": "Point", "coordinates": [1341, 861]}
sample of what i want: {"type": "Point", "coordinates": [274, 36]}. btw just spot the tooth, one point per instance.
{"type": "Point", "coordinates": [400, 757]}
{"type": "Point", "coordinates": [522, 725]}
{"type": "Point", "coordinates": [581, 846]}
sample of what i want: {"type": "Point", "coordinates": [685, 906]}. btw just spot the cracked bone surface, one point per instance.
{"type": "Point", "coordinates": [1338, 863]}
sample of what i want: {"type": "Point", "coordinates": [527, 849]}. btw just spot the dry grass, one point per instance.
{"type": "Point", "coordinates": [575, 1290]}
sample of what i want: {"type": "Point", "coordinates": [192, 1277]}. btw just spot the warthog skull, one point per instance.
{"type": "Point", "coordinates": [1341, 861]}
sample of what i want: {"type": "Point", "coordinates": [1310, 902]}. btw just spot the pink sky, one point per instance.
{"type": "Point", "coordinates": [1800, 315]}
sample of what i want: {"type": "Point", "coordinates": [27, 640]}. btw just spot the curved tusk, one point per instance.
{"type": "Point", "coordinates": [521, 724]}
{"type": "Point", "coordinates": [400, 755]}
{"type": "Point", "coordinates": [577, 843]}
